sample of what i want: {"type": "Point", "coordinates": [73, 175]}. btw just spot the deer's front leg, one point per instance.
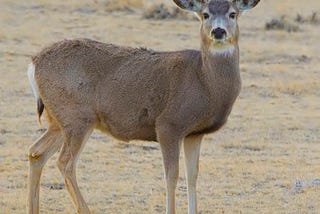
{"type": "Point", "coordinates": [170, 148]}
{"type": "Point", "coordinates": [192, 152]}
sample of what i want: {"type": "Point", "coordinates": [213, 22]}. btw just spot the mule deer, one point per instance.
{"type": "Point", "coordinates": [168, 97]}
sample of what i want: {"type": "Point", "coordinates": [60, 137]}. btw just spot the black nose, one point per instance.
{"type": "Point", "coordinates": [218, 33]}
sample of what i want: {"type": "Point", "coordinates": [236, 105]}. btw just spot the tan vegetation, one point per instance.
{"type": "Point", "coordinates": [122, 5]}
{"type": "Point", "coordinates": [250, 166]}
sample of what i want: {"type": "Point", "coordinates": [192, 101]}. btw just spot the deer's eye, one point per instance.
{"type": "Point", "coordinates": [205, 15]}
{"type": "Point", "coordinates": [232, 15]}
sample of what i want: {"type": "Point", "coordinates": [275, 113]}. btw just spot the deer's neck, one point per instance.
{"type": "Point", "coordinates": [220, 70]}
{"type": "Point", "coordinates": [220, 61]}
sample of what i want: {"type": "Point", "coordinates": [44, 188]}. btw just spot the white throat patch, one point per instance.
{"type": "Point", "coordinates": [223, 51]}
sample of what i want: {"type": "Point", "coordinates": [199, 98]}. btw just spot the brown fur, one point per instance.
{"type": "Point", "coordinates": [126, 97]}
{"type": "Point", "coordinates": [219, 7]}
{"type": "Point", "coordinates": [133, 93]}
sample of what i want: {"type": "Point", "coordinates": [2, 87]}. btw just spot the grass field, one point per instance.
{"type": "Point", "coordinates": [253, 165]}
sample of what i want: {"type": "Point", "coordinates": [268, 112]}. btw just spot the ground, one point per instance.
{"type": "Point", "coordinates": [256, 163]}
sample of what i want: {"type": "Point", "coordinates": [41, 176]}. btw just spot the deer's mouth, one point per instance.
{"type": "Point", "coordinates": [226, 41]}
{"type": "Point", "coordinates": [219, 42]}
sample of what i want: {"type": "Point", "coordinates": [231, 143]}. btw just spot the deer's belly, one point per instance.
{"type": "Point", "coordinates": [128, 125]}
{"type": "Point", "coordinates": [142, 133]}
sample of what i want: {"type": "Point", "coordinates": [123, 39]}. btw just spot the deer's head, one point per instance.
{"type": "Point", "coordinates": [219, 27]}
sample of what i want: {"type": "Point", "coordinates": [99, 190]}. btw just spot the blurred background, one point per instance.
{"type": "Point", "coordinates": [266, 159]}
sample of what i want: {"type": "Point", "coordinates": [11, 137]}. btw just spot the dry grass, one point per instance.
{"type": "Point", "coordinates": [292, 24]}
{"type": "Point", "coordinates": [162, 11]}
{"type": "Point", "coordinates": [122, 5]}
{"type": "Point", "coordinates": [314, 18]}
{"type": "Point", "coordinates": [282, 23]}
{"type": "Point", "coordinates": [270, 144]}
{"type": "Point", "coordinates": [298, 87]}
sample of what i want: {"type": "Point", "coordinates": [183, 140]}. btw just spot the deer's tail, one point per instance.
{"type": "Point", "coordinates": [33, 84]}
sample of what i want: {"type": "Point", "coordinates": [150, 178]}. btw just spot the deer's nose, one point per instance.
{"type": "Point", "coordinates": [218, 33]}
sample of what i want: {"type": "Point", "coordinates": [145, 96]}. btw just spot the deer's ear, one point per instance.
{"type": "Point", "coordinates": [245, 4]}
{"type": "Point", "coordinates": [190, 5]}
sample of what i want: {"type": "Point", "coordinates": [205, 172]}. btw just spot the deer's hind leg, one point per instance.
{"type": "Point", "coordinates": [48, 144]}
{"type": "Point", "coordinates": [76, 134]}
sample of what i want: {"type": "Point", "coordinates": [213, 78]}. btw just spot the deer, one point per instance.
{"type": "Point", "coordinates": [174, 98]}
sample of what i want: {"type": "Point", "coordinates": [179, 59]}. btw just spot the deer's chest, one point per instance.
{"type": "Point", "coordinates": [217, 111]}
